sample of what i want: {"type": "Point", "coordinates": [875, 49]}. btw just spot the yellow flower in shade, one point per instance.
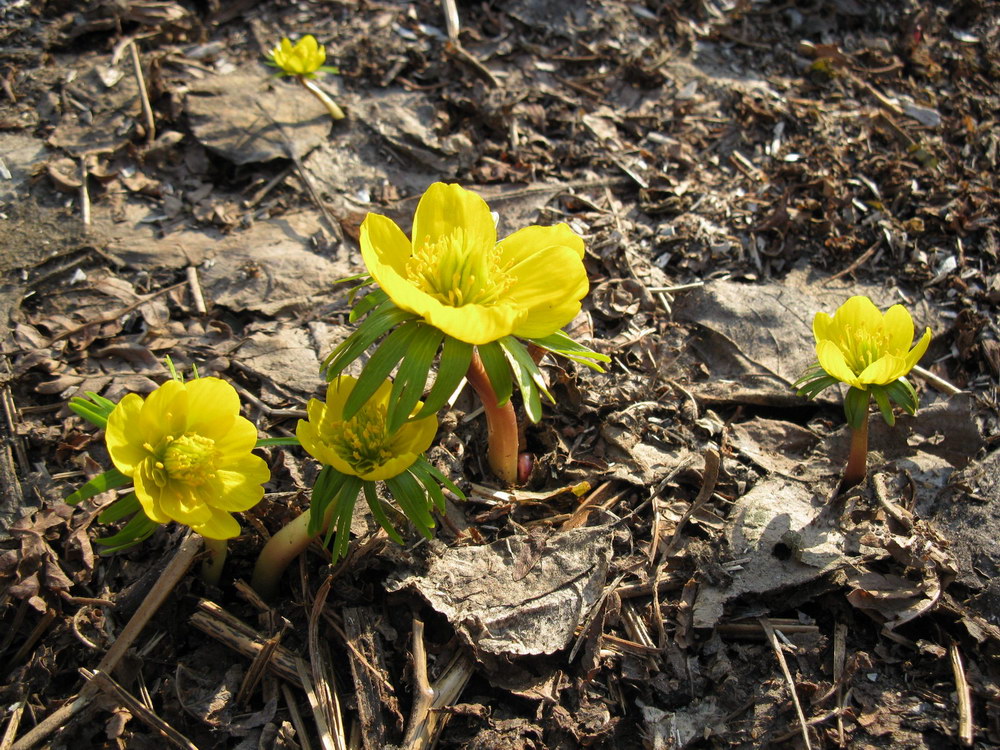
{"type": "Point", "coordinates": [862, 347]}
{"type": "Point", "coordinates": [303, 58]}
{"type": "Point", "coordinates": [458, 278]}
{"type": "Point", "coordinates": [361, 445]}
{"type": "Point", "coordinates": [187, 450]}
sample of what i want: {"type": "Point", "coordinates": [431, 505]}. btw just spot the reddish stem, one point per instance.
{"type": "Point", "coordinates": [857, 461]}
{"type": "Point", "coordinates": [501, 424]}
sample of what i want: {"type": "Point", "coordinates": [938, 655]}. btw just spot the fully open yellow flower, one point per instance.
{"type": "Point", "coordinates": [303, 58]}
{"type": "Point", "coordinates": [187, 450]}
{"type": "Point", "coordinates": [862, 347]}
{"type": "Point", "coordinates": [463, 282]}
{"type": "Point", "coordinates": [361, 446]}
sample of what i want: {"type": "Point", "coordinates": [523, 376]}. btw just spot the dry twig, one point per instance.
{"type": "Point", "coordinates": [773, 638]}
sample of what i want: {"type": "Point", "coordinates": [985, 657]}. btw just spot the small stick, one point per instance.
{"type": "Point", "coordinates": [940, 383]}
{"type": "Point", "coordinates": [147, 109]}
{"type": "Point", "coordinates": [965, 729]}
{"type": "Point", "coordinates": [766, 624]}
{"type": "Point", "coordinates": [165, 584]}
{"type": "Point", "coordinates": [196, 293]}
{"type": "Point", "coordinates": [16, 711]}
{"type": "Point", "coordinates": [451, 19]}
{"type": "Point", "coordinates": [856, 264]}
{"type": "Point", "coordinates": [327, 712]}
{"type": "Point", "coordinates": [36, 633]}
{"type": "Point", "coordinates": [284, 663]}
{"type": "Point", "coordinates": [293, 711]}
{"type": "Point", "coordinates": [84, 193]}
{"type": "Point", "coordinates": [115, 314]}
{"type": "Point", "coordinates": [839, 659]}
{"type": "Point", "coordinates": [137, 709]}
{"type": "Point", "coordinates": [713, 462]}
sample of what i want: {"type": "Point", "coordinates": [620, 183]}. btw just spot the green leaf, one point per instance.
{"type": "Point", "coordinates": [441, 478]}
{"type": "Point", "coordinates": [270, 442]}
{"type": "Point", "coordinates": [452, 367]}
{"type": "Point", "coordinates": [123, 506]}
{"type": "Point", "coordinates": [378, 511]}
{"type": "Point", "coordinates": [366, 304]}
{"type": "Point", "coordinates": [347, 498]}
{"type": "Point", "coordinates": [377, 369]}
{"type": "Point", "coordinates": [497, 370]}
{"type": "Point", "coordinates": [903, 394]}
{"type": "Point", "coordinates": [409, 384]}
{"type": "Point", "coordinates": [374, 326]}
{"type": "Point", "coordinates": [96, 410]}
{"type": "Point", "coordinates": [528, 377]}
{"type": "Point", "coordinates": [431, 486]}
{"type": "Point", "coordinates": [814, 387]}
{"type": "Point", "coordinates": [101, 483]}
{"type": "Point", "coordinates": [813, 372]}
{"type": "Point", "coordinates": [327, 485]}
{"type": "Point", "coordinates": [561, 343]}
{"type": "Point", "coordinates": [409, 493]}
{"type": "Point", "coordinates": [856, 407]}
{"type": "Point", "coordinates": [883, 405]}
{"type": "Point", "coordinates": [139, 528]}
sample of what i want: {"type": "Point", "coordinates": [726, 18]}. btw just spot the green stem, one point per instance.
{"type": "Point", "coordinates": [501, 424]}
{"type": "Point", "coordinates": [211, 569]}
{"type": "Point", "coordinates": [331, 106]}
{"type": "Point", "coordinates": [287, 544]}
{"type": "Point", "coordinates": [857, 461]}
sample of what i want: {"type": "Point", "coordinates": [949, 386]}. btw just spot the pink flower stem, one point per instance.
{"type": "Point", "coordinates": [857, 461]}
{"type": "Point", "coordinates": [501, 424]}
{"type": "Point", "coordinates": [287, 544]}
{"type": "Point", "coordinates": [211, 568]}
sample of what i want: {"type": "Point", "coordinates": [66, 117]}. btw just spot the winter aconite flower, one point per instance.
{"type": "Point", "coordinates": [862, 347]}
{"type": "Point", "coordinates": [872, 353]}
{"type": "Point", "coordinates": [303, 58]}
{"type": "Point", "coordinates": [362, 446]}
{"type": "Point", "coordinates": [461, 280]}
{"type": "Point", "coordinates": [188, 452]}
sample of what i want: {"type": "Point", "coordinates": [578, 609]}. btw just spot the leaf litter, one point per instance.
{"type": "Point", "coordinates": [734, 167]}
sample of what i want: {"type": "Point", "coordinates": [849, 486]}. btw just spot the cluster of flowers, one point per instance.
{"type": "Point", "coordinates": [451, 295]}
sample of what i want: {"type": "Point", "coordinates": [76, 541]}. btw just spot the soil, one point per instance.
{"type": "Point", "coordinates": [678, 570]}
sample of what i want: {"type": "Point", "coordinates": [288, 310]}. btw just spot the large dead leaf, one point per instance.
{"type": "Point", "coordinates": [520, 596]}
{"type": "Point", "coordinates": [248, 117]}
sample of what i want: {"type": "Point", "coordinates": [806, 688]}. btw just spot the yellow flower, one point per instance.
{"type": "Point", "coordinates": [862, 347]}
{"type": "Point", "coordinates": [303, 58]}
{"type": "Point", "coordinates": [360, 446]}
{"type": "Point", "coordinates": [187, 450]}
{"type": "Point", "coordinates": [463, 282]}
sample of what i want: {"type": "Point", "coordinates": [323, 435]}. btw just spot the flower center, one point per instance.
{"type": "Point", "coordinates": [457, 272]}
{"type": "Point", "coordinates": [862, 346]}
{"type": "Point", "coordinates": [362, 441]}
{"type": "Point", "coordinates": [190, 459]}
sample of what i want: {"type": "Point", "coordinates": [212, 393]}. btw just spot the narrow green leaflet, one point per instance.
{"type": "Point", "coordinates": [269, 442]}
{"type": "Point", "coordinates": [528, 377]}
{"type": "Point", "coordinates": [109, 480]}
{"type": "Point", "coordinates": [378, 511]}
{"type": "Point", "coordinates": [560, 343]}
{"type": "Point", "coordinates": [427, 466]}
{"type": "Point", "coordinates": [497, 369]}
{"type": "Point", "coordinates": [903, 394]}
{"type": "Point", "coordinates": [96, 410]}
{"type": "Point", "coordinates": [377, 369]}
{"type": "Point", "coordinates": [408, 386]}
{"type": "Point", "coordinates": [432, 488]}
{"type": "Point", "coordinates": [138, 529]}
{"type": "Point", "coordinates": [856, 407]}
{"type": "Point", "coordinates": [409, 493]}
{"type": "Point", "coordinates": [884, 406]}
{"type": "Point", "coordinates": [123, 506]}
{"type": "Point", "coordinates": [366, 304]}
{"type": "Point", "coordinates": [454, 363]}
{"type": "Point", "coordinates": [374, 326]}
{"type": "Point", "coordinates": [340, 524]}
{"type": "Point", "coordinates": [812, 388]}
{"type": "Point", "coordinates": [327, 485]}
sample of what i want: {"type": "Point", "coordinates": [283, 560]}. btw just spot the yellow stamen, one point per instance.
{"type": "Point", "coordinates": [456, 272]}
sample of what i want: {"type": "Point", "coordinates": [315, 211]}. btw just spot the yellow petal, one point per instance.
{"type": "Point", "coordinates": [148, 493]}
{"type": "Point", "coordinates": [883, 370]}
{"type": "Point", "coordinates": [822, 327]}
{"type": "Point", "coordinates": [220, 525]}
{"type": "Point", "coordinates": [393, 467]}
{"type": "Point", "coordinates": [898, 328]}
{"type": "Point", "coordinates": [164, 412]}
{"type": "Point", "coordinates": [473, 324]}
{"type": "Point", "coordinates": [310, 440]}
{"type": "Point", "coordinates": [241, 438]}
{"type": "Point", "coordinates": [547, 306]}
{"type": "Point", "coordinates": [123, 437]}
{"type": "Point", "coordinates": [337, 394]}
{"type": "Point", "coordinates": [180, 502]}
{"type": "Point", "coordinates": [917, 352]}
{"type": "Point", "coordinates": [858, 312]}
{"type": "Point", "coordinates": [415, 437]}
{"type": "Point", "coordinates": [531, 243]}
{"type": "Point", "coordinates": [831, 359]}
{"type": "Point", "coordinates": [238, 486]}
{"type": "Point", "coordinates": [443, 208]}
{"type": "Point", "coordinates": [212, 408]}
